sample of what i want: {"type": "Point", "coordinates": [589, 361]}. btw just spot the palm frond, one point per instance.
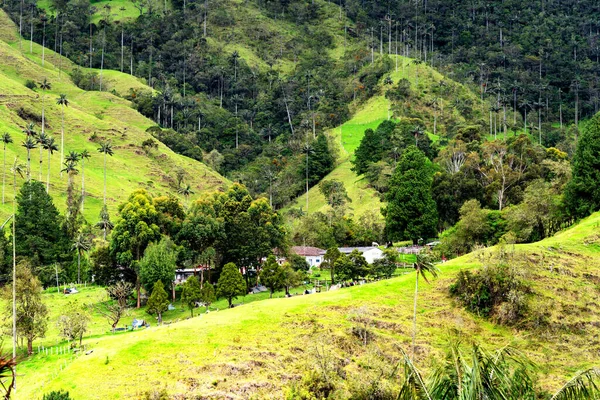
{"type": "Point", "coordinates": [583, 386]}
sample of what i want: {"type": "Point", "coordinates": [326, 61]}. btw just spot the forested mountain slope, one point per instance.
{"type": "Point", "coordinates": [263, 349]}
{"type": "Point", "coordinates": [91, 118]}
{"type": "Point", "coordinates": [439, 105]}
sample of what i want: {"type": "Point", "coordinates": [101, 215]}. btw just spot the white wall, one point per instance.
{"type": "Point", "coordinates": [314, 261]}
{"type": "Point", "coordinates": [372, 255]}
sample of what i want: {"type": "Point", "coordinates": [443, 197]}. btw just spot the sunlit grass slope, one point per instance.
{"type": "Point", "coordinates": [90, 118]}
{"type": "Point", "coordinates": [258, 349]}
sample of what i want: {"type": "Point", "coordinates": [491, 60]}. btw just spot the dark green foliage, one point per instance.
{"type": "Point", "coordinates": [29, 84]}
{"type": "Point", "coordinates": [207, 294]}
{"type": "Point", "coordinates": [158, 302]}
{"type": "Point", "coordinates": [320, 162]}
{"type": "Point", "coordinates": [343, 268]}
{"type": "Point", "coordinates": [37, 226]}
{"type": "Point", "coordinates": [158, 264]}
{"type": "Point", "coordinates": [191, 293]}
{"type": "Point", "coordinates": [271, 275]}
{"type": "Point", "coordinates": [411, 212]}
{"type": "Point", "coordinates": [450, 191]}
{"type": "Point", "coordinates": [399, 92]}
{"type": "Point", "coordinates": [57, 395]}
{"type": "Point", "coordinates": [179, 143]}
{"type": "Point", "coordinates": [298, 263]}
{"type": "Point", "coordinates": [373, 146]}
{"type": "Point", "coordinates": [495, 292]}
{"type": "Point", "coordinates": [334, 192]}
{"type": "Point", "coordinates": [582, 195]}
{"type": "Point", "coordinates": [231, 283]}
{"type": "Point", "coordinates": [385, 266]}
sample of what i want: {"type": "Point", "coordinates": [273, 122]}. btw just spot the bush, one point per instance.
{"type": "Point", "coordinates": [495, 292]}
{"type": "Point", "coordinates": [57, 395]}
{"type": "Point", "coordinates": [30, 84]}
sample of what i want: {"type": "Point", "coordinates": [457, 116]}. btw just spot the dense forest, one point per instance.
{"type": "Point", "coordinates": [259, 113]}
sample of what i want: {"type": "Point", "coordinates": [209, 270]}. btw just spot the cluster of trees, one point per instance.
{"type": "Point", "coordinates": [475, 189]}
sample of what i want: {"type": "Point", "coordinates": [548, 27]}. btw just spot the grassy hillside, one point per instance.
{"type": "Point", "coordinates": [259, 349]}
{"type": "Point", "coordinates": [425, 81]}
{"type": "Point", "coordinates": [90, 118]}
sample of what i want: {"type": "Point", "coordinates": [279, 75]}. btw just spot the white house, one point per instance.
{"type": "Point", "coordinates": [369, 253]}
{"type": "Point", "coordinates": [313, 255]}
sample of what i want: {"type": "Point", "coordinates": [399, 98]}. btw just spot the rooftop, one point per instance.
{"type": "Point", "coordinates": [307, 251]}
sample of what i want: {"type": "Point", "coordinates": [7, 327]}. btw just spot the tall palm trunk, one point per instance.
{"type": "Point", "coordinates": [82, 183]}
{"type": "Point", "coordinates": [28, 164]}
{"type": "Point", "coordinates": [14, 286]}
{"type": "Point", "coordinates": [78, 266]}
{"type": "Point", "coordinates": [43, 110]}
{"type": "Point", "coordinates": [48, 177]}
{"type": "Point", "coordinates": [62, 137]}
{"type": "Point", "coordinates": [414, 332]}
{"type": "Point", "coordinates": [4, 173]}
{"type": "Point", "coordinates": [41, 157]}
{"type": "Point", "coordinates": [105, 186]}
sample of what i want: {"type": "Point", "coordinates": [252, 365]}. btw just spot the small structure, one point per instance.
{"type": "Point", "coordinates": [182, 274]}
{"type": "Point", "coordinates": [313, 255]}
{"type": "Point", "coordinates": [369, 253]}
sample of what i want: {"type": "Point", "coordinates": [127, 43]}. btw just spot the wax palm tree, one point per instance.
{"type": "Point", "coordinates": [307, 149]}
{"type": "Point", "coordinates": [6, 139]}
{"type": "Point", "coordinates": [62, 102]}
{"type": "Point", "coordinates": [422, 266]}
{"type": "Point", "coordinates": [186, 191]}
{"type": "Point", "coordinates": [104, 222]}
{"type": "Point", "coordinates": [416, 63]}
{"type": "Point", "coordinates": [41, 139]}
{"type": "Point", "coordinates": [17, 169]}
{"type": "Point", "coordinates": [72, 157]}
{"type": "Point", "coordinates": [82, 243]}
{"type": "Point", "coordinates": [44, 85]}
{"type": "Point", "coordinates": [84, 155]}
{"type": "Point", "coordinates": [525, 105]}
{"type": "Point", "coordinates": [50, 146]}
{"type": "Point", "coordinates": [29, 144]}
{"type": "Point", "coordinates": [106, 149]}
{"type": "Point", "coordinates": [29, 130]}
{"type": "Point", "coordinates": [70, 168]}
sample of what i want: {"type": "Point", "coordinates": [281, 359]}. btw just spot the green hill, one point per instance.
{"type": "Point", "coordinates": [90, 118]}
{"type": "Point", "coordinates": [259, 349]}
{"type": "Point", "coordinates": [427, 84]}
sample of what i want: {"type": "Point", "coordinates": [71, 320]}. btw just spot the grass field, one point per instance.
{"type": "Point", "coordinates": [90, 118]}
{"type": "Point", "coordinates": [258, 349]}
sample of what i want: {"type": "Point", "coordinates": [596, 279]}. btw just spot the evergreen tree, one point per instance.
{"type": "Point", "coordinates": [271, 275]}
{"type": "Point", "coordinates": [158, 302]}
{"type": "Point", "coordinates": [411, 212]}
{"type": "Point", "coordinates": [207, 294]}
{"type": "Point", "coordinates": [582, 196]}
{"type": "Point", "coordinates": [37, 225]}
{"type": "Point", "coordinates": [231, 283]}
{"type": "Point", "coordinates": [191, 293]}
{"type": "Point", "coordinates": [331, 256]}
{"type": "Point", "coordinates": [344, 268]}
{"type": "Point", "coordinates": [368, 151]}
{"type": "Point", "coordinates": [321, 161]}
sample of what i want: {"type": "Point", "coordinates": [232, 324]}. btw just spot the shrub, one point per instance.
{"type": "Point", "coordinates": [57, 395]}
{"type": "Point", "coordinates": [495, 292]}
{"type": "Point", "coordinates": [30, 84]}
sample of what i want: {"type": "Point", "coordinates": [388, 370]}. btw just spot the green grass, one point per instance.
{"type": "Point", "coordinates": [90, 114]}
{"type": "Point", "coordinates": [255, 350]}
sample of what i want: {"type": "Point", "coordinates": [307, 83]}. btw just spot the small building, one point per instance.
{"type": "Point", "coordinates": [369, 253]}
{"type": "Point", "coordinates": [182, 274]}
{"type": "Point", "coordinates": [313, 255]}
